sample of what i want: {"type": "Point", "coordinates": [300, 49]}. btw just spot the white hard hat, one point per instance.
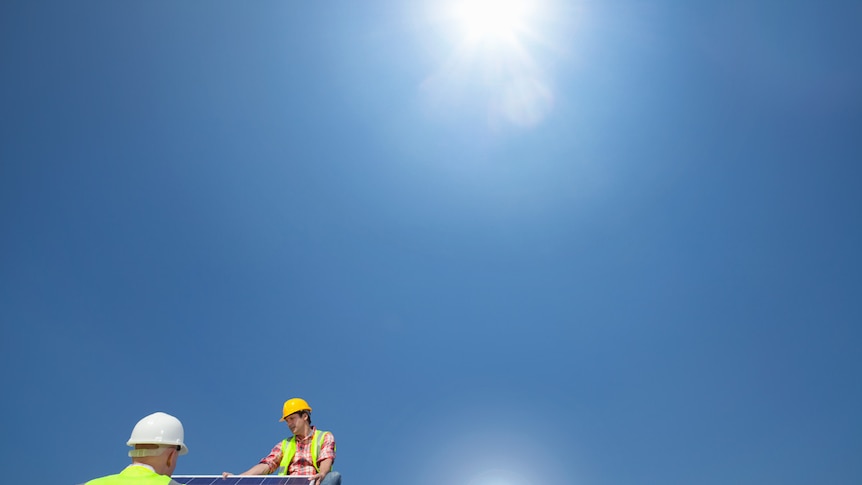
{"type": "Point", "coordinates": [159, 429]}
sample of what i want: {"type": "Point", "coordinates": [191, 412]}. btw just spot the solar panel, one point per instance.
{"type": "Point", "coordinates": [240, 480]}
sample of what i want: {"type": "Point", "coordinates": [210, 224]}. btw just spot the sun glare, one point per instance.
{"type": "Point", "coordinates": [495, 54]}
{"type": "Point", "coordinates": [484, 20]}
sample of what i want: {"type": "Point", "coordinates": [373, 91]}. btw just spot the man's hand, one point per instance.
{"type": "Point", "coordinates": [316, 479]}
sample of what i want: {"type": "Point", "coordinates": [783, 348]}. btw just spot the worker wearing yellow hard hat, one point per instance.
{"type": "Point", "coordinates": [309, 452]}
{"type": "Point", "coordinates": [157, 441]}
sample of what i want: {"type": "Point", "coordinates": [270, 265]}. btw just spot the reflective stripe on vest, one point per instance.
{"type": "Point", "coordinates": [290, 446]}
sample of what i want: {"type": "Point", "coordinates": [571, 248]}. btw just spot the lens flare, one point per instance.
{"type": "Point", "coordinates": [497, 58]}
{"type": "Point", "coordinates": [489, 20]}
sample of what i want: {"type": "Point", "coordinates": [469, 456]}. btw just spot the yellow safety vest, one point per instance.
{"type": "Point", "coordinates": [288, 450]}
{"type": "Point", "coordinates": [133, 475]}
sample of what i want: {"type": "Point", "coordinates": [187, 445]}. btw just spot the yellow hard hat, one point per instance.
{"type": "Point", "coordinates": [294, 405]}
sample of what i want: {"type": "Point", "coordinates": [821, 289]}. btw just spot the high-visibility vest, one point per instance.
{"type": "Point", "coordinates": [288, 450]}
{"type": "Point", "coordinates": [133, 475]}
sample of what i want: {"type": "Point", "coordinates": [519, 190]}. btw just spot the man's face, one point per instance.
{"type": "Point", "coordinates": [296, 423]}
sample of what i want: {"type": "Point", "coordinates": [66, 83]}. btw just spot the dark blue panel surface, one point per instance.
{"type": "Point", "coordinates": [248, 480]}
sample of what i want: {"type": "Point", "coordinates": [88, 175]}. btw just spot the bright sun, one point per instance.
{"type": "Point", "coordinates": [491, 20]}
{"type": "Point", "coordinates": [494, 51]}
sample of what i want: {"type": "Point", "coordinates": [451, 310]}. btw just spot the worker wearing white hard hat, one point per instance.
{"type": "Point", "coordinates": [156, 442]}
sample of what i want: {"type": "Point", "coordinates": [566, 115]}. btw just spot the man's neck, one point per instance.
{"type": "Point", "coordinates": [308, 433]}
{"type": "Point", "coordinates": [137, 463]}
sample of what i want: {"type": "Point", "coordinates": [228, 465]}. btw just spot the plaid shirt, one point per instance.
{"type": "Point", "coordinates": [301, 464]}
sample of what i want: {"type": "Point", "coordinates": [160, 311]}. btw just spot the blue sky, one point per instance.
{"type": "Point", "coordinates": [611, 243]}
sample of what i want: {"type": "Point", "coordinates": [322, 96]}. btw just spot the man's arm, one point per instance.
{"type": "Point", "coordinates": [266, 466]}
{"type": "Point", "coordinates": [259, 469]}
{"type": "Point", "coordinates": [324, 468]}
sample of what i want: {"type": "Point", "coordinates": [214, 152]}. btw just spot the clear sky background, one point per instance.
{"type": "Point", "coordinates": [608, 243]}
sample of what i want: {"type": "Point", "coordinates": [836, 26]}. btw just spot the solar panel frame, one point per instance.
{"type": "Point", "coordinates": [240, 480]}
